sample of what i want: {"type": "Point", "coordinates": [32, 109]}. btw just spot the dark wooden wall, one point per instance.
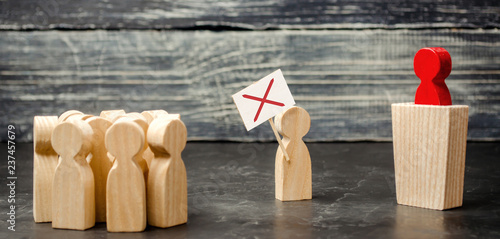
{"type": "Point", "coordinates": [345, 61]}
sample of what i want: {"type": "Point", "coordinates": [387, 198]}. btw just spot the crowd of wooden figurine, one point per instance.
{"type": "Point", "coordinates": [124, 169]}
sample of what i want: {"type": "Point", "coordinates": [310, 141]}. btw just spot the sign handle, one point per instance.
{"type": "Point", "coordinates": [278, 137]}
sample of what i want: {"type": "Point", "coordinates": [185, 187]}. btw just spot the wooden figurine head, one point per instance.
{"type": "Point", "coordinates": [78, 117]}
{"type": "Point", "coordinates": [167, 136]}
{"type": "Point", "coordinates": [42, 133]}
{"type": "Point", "coordinates": [64, 116]}
{"type": "Point", "coordinates": [111, 114]}
{"type": "Point", "coordinates": [100, 126]}
{"type": "Point", "coordinates": [124, 139]}
{"type": "Point", "coordinates": [139, 120]}
{"type": "Point", "coordinates": [293, 123]}
{"type": "Point", "coordinates": [150, 115]}
{"type": "Point", "coordinates": [72, 138]}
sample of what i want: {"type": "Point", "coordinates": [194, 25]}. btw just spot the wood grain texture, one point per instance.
{"type": "Point", "coordinates": [429, 154]}
{"type": "Point", "coordinates": [167, 199]}
{"type": "Point", "coordinates": [240, 14]}
{"type": "Point", "coordinates": [126, 188]}
{"type": "Point", "coordinates": [44, 165]}
{"type": "Point", "coordinates": [346, 80]}
{"type": "Point", "coordinates": [293, 178]}
{"type": "Point", "coordinates": [73, 200]}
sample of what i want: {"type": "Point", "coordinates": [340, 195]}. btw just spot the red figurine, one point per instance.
{"type": "Point", "coordinates": [432, 65]}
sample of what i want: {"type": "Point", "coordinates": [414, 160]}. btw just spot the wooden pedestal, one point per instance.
{"type": "Point", "coordinates": [429, 154]}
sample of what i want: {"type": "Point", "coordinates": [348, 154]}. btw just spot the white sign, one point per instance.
{"type": "Point", "coordinates": [263, 99]}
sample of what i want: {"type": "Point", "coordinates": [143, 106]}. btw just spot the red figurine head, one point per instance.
{"type": "Point", "coordinates": [432, 65]}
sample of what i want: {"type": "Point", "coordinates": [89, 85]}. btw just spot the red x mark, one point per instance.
{"type": "Point", "coordinates": [263, 100]}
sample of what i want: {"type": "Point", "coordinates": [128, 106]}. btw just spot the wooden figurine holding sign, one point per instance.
{"type": "Point", "coordinates": [263, 99]}
{"type": "Point", "coordinates": [73, 201]}
{"type": "Point", "coordinates": [167, 183]}
{"type": "Point", "coordinates": [429, 138]}
{"type": "Point", "coordinates": [44, 165]}
{"type": "Point", "coordinates": [293, 178]}
{"type": "Point", "coordinates": [293, 163]}
{"type": "Point", "coordinates": [126, 188]}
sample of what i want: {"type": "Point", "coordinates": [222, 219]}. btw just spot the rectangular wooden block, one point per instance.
{"type": "Point", "coordinates": [429, 154]}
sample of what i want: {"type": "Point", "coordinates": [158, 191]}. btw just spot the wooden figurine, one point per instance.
{"type": "Point", "coordinates": [78, 117]}
{"type": "Point", "coordinates": [44, 165]}
{"type": "Point", "coordinates": [126, 188]}
{"type": "Point", "coordinates": [167, 184]}
{"type": "Point", "coordinates": [432, 65]}
{"type": "Point", "coordinates": [293, 178]}
{"type": "Point", "coordinates": [73, 201]}
{"type": "Point", "coordinates": [111, 114]}
{"type": "Point", "coordinates": [429, 139]}
{"type": "Point", "coordinates": [148, 154]}
{"type": "Point", "coordinates": [64, 116]}
{"type": "Point", "coordinates": [74, 115]}
{"type": "Point", "coordinates": [150, 115]}
{"type": "Point", "coordinates": [142, 122]}
{"type": "Point", "coordinates": [100, 164]}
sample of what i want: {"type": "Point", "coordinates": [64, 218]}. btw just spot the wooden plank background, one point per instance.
{"type": "Point", "coordinates": [185, 57]}
{"type": "Point", "coordinates": [244, 14]}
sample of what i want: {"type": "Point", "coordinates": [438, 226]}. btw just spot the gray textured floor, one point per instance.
{"type": "Point", "coordinates": [231, 195]}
